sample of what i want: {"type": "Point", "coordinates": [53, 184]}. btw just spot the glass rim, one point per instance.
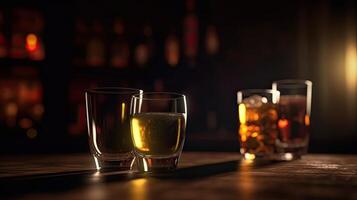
{"type": "Point", "coordinates": [113, 90]}
{"type": "Point", "coordinates": [173, 96]}
{"type": "Point", "coordinates": [293, 82]}
{"type": "Point", "coordinates": [274, 93]}
{"type": "Point", "coordinates": [271, 91]}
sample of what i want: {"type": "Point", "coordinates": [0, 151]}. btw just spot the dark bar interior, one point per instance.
{"type": "Point", "coordinates": [51, 52]}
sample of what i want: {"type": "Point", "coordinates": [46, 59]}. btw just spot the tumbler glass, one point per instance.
{"type": "Point", "coordinates": [158, 128]}
{"type": "Point", "coordinates": [108, 121]}
{"type": "Point", "coordinates": [294, 117]}
{"type": "Point", "coordinates": [258, 115]}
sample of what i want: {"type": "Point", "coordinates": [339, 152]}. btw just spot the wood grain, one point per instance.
{"type": "Point", "coordinates": [200, 176]}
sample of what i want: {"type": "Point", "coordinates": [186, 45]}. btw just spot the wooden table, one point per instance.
{"type": "Point", "coordinates": [200, 176]}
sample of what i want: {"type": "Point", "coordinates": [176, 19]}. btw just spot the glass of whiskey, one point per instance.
{"type": "Point", "coordinates": [294, 118]}
{"type": "Point", "coordinates": [258, 117]}
{"type": "Point", "coordinates": [158, 128]}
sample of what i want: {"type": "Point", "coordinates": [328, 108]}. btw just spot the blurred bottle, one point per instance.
{"type": "Point", "coordinates": [26, 40]}
{"type": "Point", "coordinates": [34, 28]}
{"type": "Point", "coordinates": [18, 34]}
{"type": "Point", "coordinates": [144, 49]}
{"type": "Point", "coordinates": [212, 40]}
{"type": "Point", "coordinates": [172, 49]}
{"type": "Point", "coordinates": [119, 47]}
{"type": "Point", "coordinates": [34, 46]}
{"type": "Point", "coordinates": [190, 33]}
{"type": "Point", "coordinates": [80, 42]}
{"type": "Point", "coordinates": [3, 42]}
{"type": "Point", "coordinates": [96, 46]}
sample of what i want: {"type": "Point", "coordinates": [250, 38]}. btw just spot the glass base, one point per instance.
{"type": "Point", "coordinates": [290, 153]}
{"type": "Point", "coordinates": [273, 157]}
{"type": "Point", "coordinates": [258, 156]}
{"type": "Point", "coordinates": [152, 164]}
{"type": "Point", "coordinates": [113, 165]}
{"type": "Point", "coordinates": [286, 156]}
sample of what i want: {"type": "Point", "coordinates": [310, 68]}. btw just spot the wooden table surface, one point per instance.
{"type": "Point", "coordinates": [200, 176]}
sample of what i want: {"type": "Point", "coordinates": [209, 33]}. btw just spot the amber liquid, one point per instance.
{"type": "Point", "coordinates": [258, 128]}
{"type": "Point", "coordinates": [158, 134]}
{"type": "Point", "coordinates": [293, 124]}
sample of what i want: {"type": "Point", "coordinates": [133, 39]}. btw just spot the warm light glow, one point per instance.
{"type": "Point", "coordinates": [11, 109]}
{"type": "Point", "coordinates": [38, 110]}
{"type": "Point", "coordinates": [288, 156]}
{"type": "Point", "coordinates": [31, 133]}
{"type": "Point", "coordinates": [243, 128]}
{"type": "Point", "coordinates": [283, 123]}
{"type": "Point", "coordinates": [122, 112]}
{"type": "Point", "coordinates": [243, 138]}
{"type": "Point", "coordinates": [139, 189]}
{"type": "Point", "coordinates": [138, 135]}
{"type": "Point", "coordinates": [307, 120]}
{"type": "Point", "coordinates": [351, 69]}
{"type": "Point", "coordinates": [255, 134]}
{"type": "Point", "coordinates": [212, 40]}
{"type": "Point", "coordinates": [351, 66]}
{"type": "Point", "coordinates": [172, 51]}
{"type": "Point", "coordinates": [31, 42]}
{"type": "Point", "coordinates": [249, 156]}
{"type": "Point", "coordinates": [242, 113]}
{"type": "Point", "coordinates": [25, 123]}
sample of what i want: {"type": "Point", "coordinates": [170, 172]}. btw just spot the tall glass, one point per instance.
{"type": "Point", "coordinates": [108, 121]}
{"type": "Point", "coordinates": [294, 117]}
{"type": "Point", "coordinates": [158, 128]}
{"type": "Point", "coordinates": [258, 117]}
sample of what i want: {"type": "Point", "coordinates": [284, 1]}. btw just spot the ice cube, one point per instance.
{"type": "Point", "coordinates": [254, 101]}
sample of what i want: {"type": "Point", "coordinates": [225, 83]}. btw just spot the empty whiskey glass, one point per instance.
{"type": "Point", "coordinates": [108, 121]}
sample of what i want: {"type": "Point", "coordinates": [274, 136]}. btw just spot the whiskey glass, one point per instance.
{"type": "Point", "coordinates": [158, 128]}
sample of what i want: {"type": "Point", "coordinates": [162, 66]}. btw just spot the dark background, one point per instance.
{"type": "Point", "coordinates": [259, 42]}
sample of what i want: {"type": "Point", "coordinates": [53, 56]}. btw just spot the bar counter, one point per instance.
{"type": "Point", "coordinates": [201, 175]}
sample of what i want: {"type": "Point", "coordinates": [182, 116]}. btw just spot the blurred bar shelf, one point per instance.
{"type": "Point", "coordinates": [132, 73]}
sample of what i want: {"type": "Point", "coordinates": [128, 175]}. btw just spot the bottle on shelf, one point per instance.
{"type": "Point", "coordinates": [144, 50]}
{"type": "Point", "coordinates": [34, 46]}
{"type": "Point", "coordinates": [3, 42]}
{"type": "Point", "coordinates": [172, 49]}
{"type": "Point", "coordinates": [26, 40]}
{"type": "Point", "coordinates": [190, 33]}
{"type": "Point", "coordinates": [34, 43]}
{"type": "Point", "coordinates": [95, 53]}
{"type": "Point", "coordinates": [18, 34]}
{"type": "Point", "coordinates": [119, 47]}
{"type": "Point", "coordinates": [212, 40]}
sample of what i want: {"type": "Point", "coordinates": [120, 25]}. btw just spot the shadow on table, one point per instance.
{"type": "Point", "coordinates": [206, 170]}
{"type": "Point", "coordinates": [60, 182]}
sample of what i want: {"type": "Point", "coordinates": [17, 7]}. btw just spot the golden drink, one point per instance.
{"type": "Point", "coordinates": [158, 134]}
{"type": "Point", "coordinates": [258, 129]}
